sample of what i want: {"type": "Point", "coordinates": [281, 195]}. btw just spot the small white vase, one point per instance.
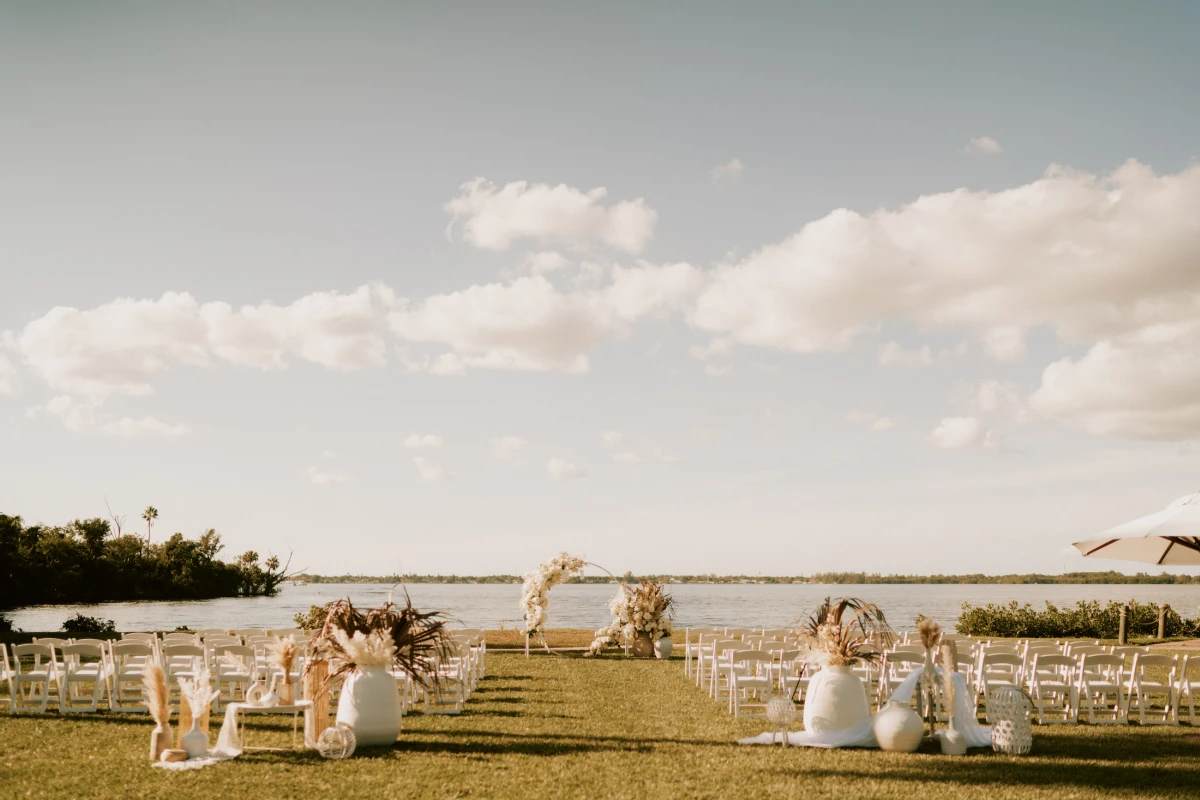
{"type": "Point", "coordinates": [954, 741]}
{"type": "Point", "coordinates": [195, 742]}
{"type": "Point", "coordinates": [839, 703]}
{"type": "Point", "coordinates": [898, 728]}
{"type": "Point", "coordinates": [370, 705]}
{"type": "Point", "coordinates": [663, 647]}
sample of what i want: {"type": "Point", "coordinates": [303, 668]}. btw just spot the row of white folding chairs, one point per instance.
{"type": "Point", "coordinates": [81, 674]}
{"type": "Point", "coordinates": [453, 677]}
{"type": "Point", "coordinates": [1156, 686]}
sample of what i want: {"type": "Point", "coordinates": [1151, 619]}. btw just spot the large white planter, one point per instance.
{"type": "Point", "coordinates": [898, 728]}
{"type": "Point", "coordinates": [370, 704]}
{"type": "Point", "coordinates": [839, 703]}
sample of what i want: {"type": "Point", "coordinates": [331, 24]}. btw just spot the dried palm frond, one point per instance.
{"type": "Point", "coordinates": [949, 667]}
{"type": "Point", "coordinates": [930, 632]}
{"type": "Point", "coordinates": [156, 695]}
{"type": "Point", "coordinates": [282, 653]}
{"type": "Point", "coordinates": [415, 640]}
{"type": "Point", "coordinates": [198, 693]}
{"type": "Point", "coordinates": [839, 638]}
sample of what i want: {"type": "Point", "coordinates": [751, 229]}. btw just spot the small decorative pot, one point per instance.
{"type": "Point", "coordinates": [195, 742]}
{"type": "Point", "coordinates": [954, 742]}
{"type": "Point", "coordinates": [663, 647]}
{"type": "Point", "coordinates": [838, 703]}
{"type": "Point", "coordinates": [898, 728]}
{"type": "Point", "coordinates": [642, 646]}
{"type": "Point", "coordinates": [162, 738]}
{"type": "Point", "coordinates": [370, 705]}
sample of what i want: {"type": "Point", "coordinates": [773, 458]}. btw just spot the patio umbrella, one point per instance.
{"type": "Point", "coordinates": [1170, 536]}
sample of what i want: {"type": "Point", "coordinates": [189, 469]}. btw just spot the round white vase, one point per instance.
{"type": "Point", "coordinates": [898, 728]}
{"type": "Point", "coordinates": [195, 741]}
{"type": "Point", "coordinates": [663, 647]}
{"type": "Point", "coordinates": [370, 704]}
{"type": "Point", "coordinates": [838, 704]}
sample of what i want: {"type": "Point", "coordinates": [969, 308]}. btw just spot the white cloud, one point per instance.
{"type": "Point", "coordinates": [717, 371]}
{"type": "Point", "coordinates": [561, 469]}
{"type": "Point", "coordinates": [728, 173]}
{"type": "Point", "coordinates": [983, 145]}
{"type": "Point", "coordinates": [541, 262]}
{"type": "Point", "coordinates": [10, 384]}
{"type": "Point", "coordinates": [1141, 386]}
{"type": "Point", "coordinates": [893, 354]}
{"type": "Point", "coordinates": [429, 470]}
{"type": "Point", "coordinates": [508, 448]}
{"type": "Point", "coordinates": [493, 217]}
{"type": "Point", "coordinates": [719, 346]}
{"type": "Point", "coordinates": [703, 435]}
{"type": "Point", "coordinates": [328, 454]}
{"type": "Point", "coordinates": [612, 438]}
{"type": "Point", "coordinates": [318, 477]}
{"type": "Point", "coordinates": [995, 396]}
{"type": "Point", "coordinates": [873, 421]}
{"type": "Point", "coordinates": [962, 433]}
{"type": "Point", "coordinates": [428, 441]}
{"type": "Point", "coordinates": [628, 458]}
{"type": "Point", "coordinates": [116, 348]}
{"type": "Point", "coordinates": [83, 416]}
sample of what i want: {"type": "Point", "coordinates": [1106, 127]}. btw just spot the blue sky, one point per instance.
{"type": "Point", "coordinates": [866, 287]}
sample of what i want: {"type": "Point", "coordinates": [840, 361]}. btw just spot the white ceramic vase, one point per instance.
{"type": "Point", "coordinates": [839, 703]}
{"type": "Point", "coordinates": [954, 741]}
{"type": "Point", "coordinates": [663, 647]}
{"type": "Point", "coordinates": [195, 741]}
{"type": "Point", "coordinates": [898, 728]}
{"type": "Point", "coordinates": [370, 705]}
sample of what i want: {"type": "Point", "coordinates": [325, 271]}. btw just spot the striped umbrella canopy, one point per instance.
{"type": "Point", "coordinates": [1170, 536]}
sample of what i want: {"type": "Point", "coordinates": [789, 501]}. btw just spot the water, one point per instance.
{"type": "Point", "coordinates": [586, 605]}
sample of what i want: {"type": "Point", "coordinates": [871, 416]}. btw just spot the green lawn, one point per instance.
{"type": "Point", "coordinates": [555, 726]}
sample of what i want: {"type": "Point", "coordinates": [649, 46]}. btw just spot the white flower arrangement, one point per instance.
{"type": "Point", "coordinates": [644, 609]}
{"type": "Point", "coordinates": [535, 596]}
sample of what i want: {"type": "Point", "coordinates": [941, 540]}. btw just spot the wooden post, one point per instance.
{"type": "Point", "coordinates": [1121, 637]}
{"type": "Point", "coordinates": [1162, 620]}
{"type": "Point", "coordinates": [315, 689]}
{"type": "Point", "coordinates": [185, 722]}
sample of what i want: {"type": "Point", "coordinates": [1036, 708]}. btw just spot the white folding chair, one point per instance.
{"type": "Point", "coordinates": [996, 669]}
{"type": "Point", "coordinates": [1053, 688]}
{"type": "Point", "coordinates": [235, 668]}
{"type": "Point", "coordinates": [1189, 685]}
{"type": "Point", "coordinates": [33, 682]}
{"type": "Point", "coordinates": [749, 677]}
{"type": "Point", "coordinates": [1102, 689]}
{"type": "Point", "coordinates": [127, 660]}
{"type": "Point", "coordinates": [447, 692]}
{"type": "Point", "coordinates": [85, 676]}
{"type": "Point", "coordinates": [1144, 687]}
{"type": "Point", "coordinates": [897, 666]}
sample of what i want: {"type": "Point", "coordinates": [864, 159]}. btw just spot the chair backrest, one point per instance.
{"type": "Point", "coordinates": [130, 648]}
{"type": "Point", "coordinates": [1130, 652]}
{"type": "Point", "coordinates": [153, 637]}
{"type": "Point", "coordinates": [909, 649]}
{"type": "Point", "coordinates": [51, 640]}
{"type": "Point", "coordinates": [1093, 664]}
{"type": "Point", "coordinates": [898, 661]}
{"type": "Point", "coordinates": [1143, 662]}
{"type": "Point", "coordinates": [738, 633]}
{"type": "Point", "coordinates": [723, 646]}
{"type": "Point", "coordinates": [238, 650]}
{"type": "Point", "coordinates": [752, 657]}
{"type": "Point", "coordinates": [1079, 650]}
{"type": "Point", "coordinates": [1001, 649]}
{"type": "Point", "coordinates": [35, 651]}
{"type": "Point", "coordinates": [182, 651]}
{"type": "Point", "coordinates": [72, 653]}
{"type": "Point", "coordinates": [994, 659]}
{"type": "Point", "coordinates": [204, 632]}
{"type": "Point", "coordinates": [98, 642]}
{"type": "Point", "coordinates": [777, 633]}
{"type": "Point", "coordinates": [1052, 661]}
{"type": "Point", "coordinates": [181, 637]}
{"type": "Point", "coordinates": [220, 639]}
{"type": "Point", "coordinates": [244, 632]}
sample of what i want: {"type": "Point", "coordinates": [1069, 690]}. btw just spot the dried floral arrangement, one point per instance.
{"type": "Point", "coordinates": [645, 608]}
{"type": "Point", "coordinates": [198, 692]}
{"type": "Point", "coordinates": [535, 594]}
{"type": "Point", "coordinates": [846, 631]}
{"type": "Point", "coordinates": [412, 640]}
{"type": "Point", "coordinates": [281, 653]}
{"type": "Point", "coordinates": [155, 693]}
{"type": "Point", "coordinates": [930, 633]}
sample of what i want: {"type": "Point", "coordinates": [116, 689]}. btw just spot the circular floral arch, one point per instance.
{"type": "Point", "coordinates": [535, 595]}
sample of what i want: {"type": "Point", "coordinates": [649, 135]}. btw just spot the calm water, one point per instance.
{"type": "Point", "coordinates": [586, 605]}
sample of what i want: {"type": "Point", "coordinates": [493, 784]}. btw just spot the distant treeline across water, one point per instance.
{"type": "Point", "coordinates": [854, 578]}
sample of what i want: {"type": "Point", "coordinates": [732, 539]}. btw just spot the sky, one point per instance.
{"type": "Point", "coordinates": [683, 288]}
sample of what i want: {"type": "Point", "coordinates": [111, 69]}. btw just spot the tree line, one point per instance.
{"type": "Point", "coordinates": [84, 562]}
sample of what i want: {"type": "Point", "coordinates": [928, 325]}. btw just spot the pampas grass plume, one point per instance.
{"type": "Point", "coordinates": [930, 631]}
{"type": "Point", "coordinates": [156, 694]}
{"type": "Point", "coordinates": [949, 666]}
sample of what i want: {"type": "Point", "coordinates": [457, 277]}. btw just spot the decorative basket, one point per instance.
{"type": "Point", "coordinates": [1012, 730]}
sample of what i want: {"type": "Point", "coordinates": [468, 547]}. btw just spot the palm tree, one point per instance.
{"type": "Point", "coordinates": [150, 514]}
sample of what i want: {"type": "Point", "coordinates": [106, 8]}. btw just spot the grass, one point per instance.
{"type": "Point", "coordinates": [554, 726]}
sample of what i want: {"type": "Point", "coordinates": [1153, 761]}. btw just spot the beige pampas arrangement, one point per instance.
{"type": "Point", "coordinates": [930, 633]}
{"type": "Point", "coordinates": [282, 654]}
{"type": "Point", "coordinates": [157, 698]}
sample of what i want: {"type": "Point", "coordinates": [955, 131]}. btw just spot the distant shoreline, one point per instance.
{"type": "Point", "coordinates": [820, 579]}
